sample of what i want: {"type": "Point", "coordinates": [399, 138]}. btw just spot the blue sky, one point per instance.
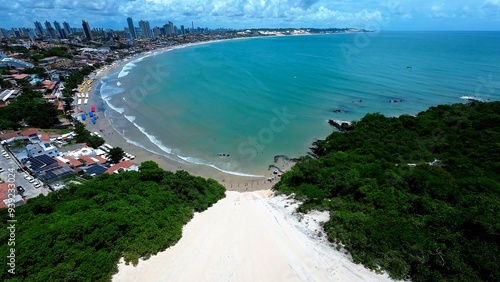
{"type": "Point", "coordinates": [369, 14]}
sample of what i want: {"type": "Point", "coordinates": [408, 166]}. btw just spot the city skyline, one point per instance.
{"type": "Point", "coordinates": [367, 14]}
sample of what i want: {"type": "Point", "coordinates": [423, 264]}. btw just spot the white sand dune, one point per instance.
{"type": "Point", "coordinates": [250, 237]}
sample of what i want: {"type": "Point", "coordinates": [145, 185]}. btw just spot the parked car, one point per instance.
{"type": "Point", "coordinates": [37, 185]}
{"type": "Point", "coordinates": [20, 189]}
{"type": "Point", "coordinates": [1, 169]}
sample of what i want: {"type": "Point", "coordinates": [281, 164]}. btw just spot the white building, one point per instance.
{"type": "Point", "coordinates": [39, 148]}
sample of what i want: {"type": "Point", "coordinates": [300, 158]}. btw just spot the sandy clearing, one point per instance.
{"type": "Point", "coordinates": [249, 236]}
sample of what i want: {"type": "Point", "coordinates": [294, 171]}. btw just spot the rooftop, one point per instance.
{"type": "Point", "coordinates": [125, 165]}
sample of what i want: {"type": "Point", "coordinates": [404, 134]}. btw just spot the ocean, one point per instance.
{"type": "Point", "coordinates": [234, 105]}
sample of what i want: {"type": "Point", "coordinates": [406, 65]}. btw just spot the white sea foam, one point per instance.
{"type": "Point", "coordinates": [151, 137]}
{"type": "Point", "coordinates": [118, 83]}
{"type": "Point", "coordinates": [170, 154]}
{"type": "Point", "coordinates": [474, 98]}
{"type": "Point", "coordinates": [116, 109]}
{"type": "Point", "coordinates": [130, 118]}
{"type": "Point", "coordinates": [202, 162]}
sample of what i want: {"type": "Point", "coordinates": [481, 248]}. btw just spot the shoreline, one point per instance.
{"type": "Point", "coordinates": [103, 126]}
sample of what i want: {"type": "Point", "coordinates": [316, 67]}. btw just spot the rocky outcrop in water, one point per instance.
{"type": "Point", "coordinates": [341, 126]}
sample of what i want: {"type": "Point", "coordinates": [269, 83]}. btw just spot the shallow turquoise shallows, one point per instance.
{"type": "Point", "coordinates": [236, 104]}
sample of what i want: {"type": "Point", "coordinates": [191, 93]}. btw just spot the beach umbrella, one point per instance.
{"type": "Point", "coordinates": [94, 120]}
{"type": "Point", "coordinates": [92, 108]}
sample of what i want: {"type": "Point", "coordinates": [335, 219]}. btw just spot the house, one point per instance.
{"type": "Point", "coordinates": [49, 98]}
{"type": "Point", "coordinates": [74, 163]}
{"type": "Point", "coordinates": [40, 148]}
{"type": "Point", "coordinates": [88, 160]}
{"type": "Point", "coordinates": [8, 95]}
{"type": "Point", "coordinates": [20, 76]}
{"type": "Point", "coordinates": [49, 85]}
{"type": "Point", "coordinates": [29, 132]}
{"type": "Point", "coordinates": [122, 166]}
{"type": "Point", "coordinates": [100, 159]}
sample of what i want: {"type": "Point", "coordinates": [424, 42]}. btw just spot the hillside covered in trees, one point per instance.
{"type": "Point", "coordinates": [80, 233]}
{"type": "Point", "coordinates": [418, 196]}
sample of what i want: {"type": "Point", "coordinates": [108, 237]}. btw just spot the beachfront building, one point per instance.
{"type": "Point", "coordinates": [123, 166]}
{"type": "Point", "coordinates": [39, 148]}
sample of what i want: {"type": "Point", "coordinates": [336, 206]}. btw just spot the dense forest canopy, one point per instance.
{"type": "Point", "coordinates": [31, 108]}
{"type": "Point", "coordinates": [80, 233]}
{"type": "Point", "coordinates": [418, 196]}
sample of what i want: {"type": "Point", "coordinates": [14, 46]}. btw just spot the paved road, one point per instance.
{"type": "Point", "coordinates": [9, 166]}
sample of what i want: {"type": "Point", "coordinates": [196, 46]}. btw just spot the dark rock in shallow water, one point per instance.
{"type": "Point", "coordinates": [286, 158]}
{"type": "Point", "coordinates": [339, 111]}
{"type": "Point", "coordinates": [396, 101]}
{"type": "Point", "coordinates": [341, 126]}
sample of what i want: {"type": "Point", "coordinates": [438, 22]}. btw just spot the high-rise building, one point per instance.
{"type": "Point", "coordinates": [172, 30]}
{"type": "Point", "coordinates": [32, 34]}
{"type": "Point", "coordinates": [50, 30]}
{"type": "Point", "coordinates": [39, 28]}
{"type": "Point", "coordinates": [182, 29]}
{"type": "Point", "coordinates": [67, 28]}
{"type": "Point", "coordinates": [87, 30]}
{"type": "Point", "coordinates": [131, 27]}
{"type": "Point", "coordinates": [156, 32]}
{"type": "Point", "coordinates": [4, 33]}
{"type": "Point", "coordinates": [59, 30]}
{"type": "Point", "coordinates": [146, 30]}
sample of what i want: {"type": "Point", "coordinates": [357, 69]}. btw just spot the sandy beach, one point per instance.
{"type": "Point", "coordinates": [250, 236]}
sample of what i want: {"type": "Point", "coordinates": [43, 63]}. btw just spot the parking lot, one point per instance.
{"type": "Point", "coordinates": [25, 183]}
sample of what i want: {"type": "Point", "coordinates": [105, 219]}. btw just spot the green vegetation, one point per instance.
{"type": "Point", "coordinates": [5, 83]}
{"type": "Point", "coordinates": [84, 136]}
{"type": "Point", "coordinates": [427, 221]}
{"type": "Point", "coordinates": [116, 154]}
{"type": "Point", "coordinates": [30, 108]}
{"type": "Point", "coordinates": [40, 72]}
{"type": "Point", "coordinates": [80, 233]}
{"type": "Point", "coordinates": [39, 54]}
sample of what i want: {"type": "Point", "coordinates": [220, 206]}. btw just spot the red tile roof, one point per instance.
{"type": "Point", "coordinates": [49, 85]}
{"type": "Point", "coordinates": [101, 159]}
{"type": "Point", "coordinates": [45, 137]}
{"type": "Point", "coordinates": [9, 135]}
{"type": "Point", "coordinates": [4, 187]}
{"type": "Point", "coordinates": [74, 162]}
{"type": "Point", "coordinates": [19, 76]}
{"type": "Point", "coordinates": [29, 132]}
{"type": "Point", "coordinates": [87, 160]}
{"type": "Point", "coordinates": [59, 162]}
{"type": "Point", "coordinates": [124, 164]}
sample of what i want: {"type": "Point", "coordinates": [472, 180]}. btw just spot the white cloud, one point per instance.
{"type": "Point", "coordinates": [246, 13]}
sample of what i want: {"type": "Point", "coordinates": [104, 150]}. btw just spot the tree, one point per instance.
{"type": "Point", "coordinates": [94, 141]}
{"type": "Point", "coordinates": [116, 154]}
{"type": "Point", "coordinates": [428, 221]}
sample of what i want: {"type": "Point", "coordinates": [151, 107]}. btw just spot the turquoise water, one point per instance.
{"type": "Point", "coordinates": [256, 98]}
